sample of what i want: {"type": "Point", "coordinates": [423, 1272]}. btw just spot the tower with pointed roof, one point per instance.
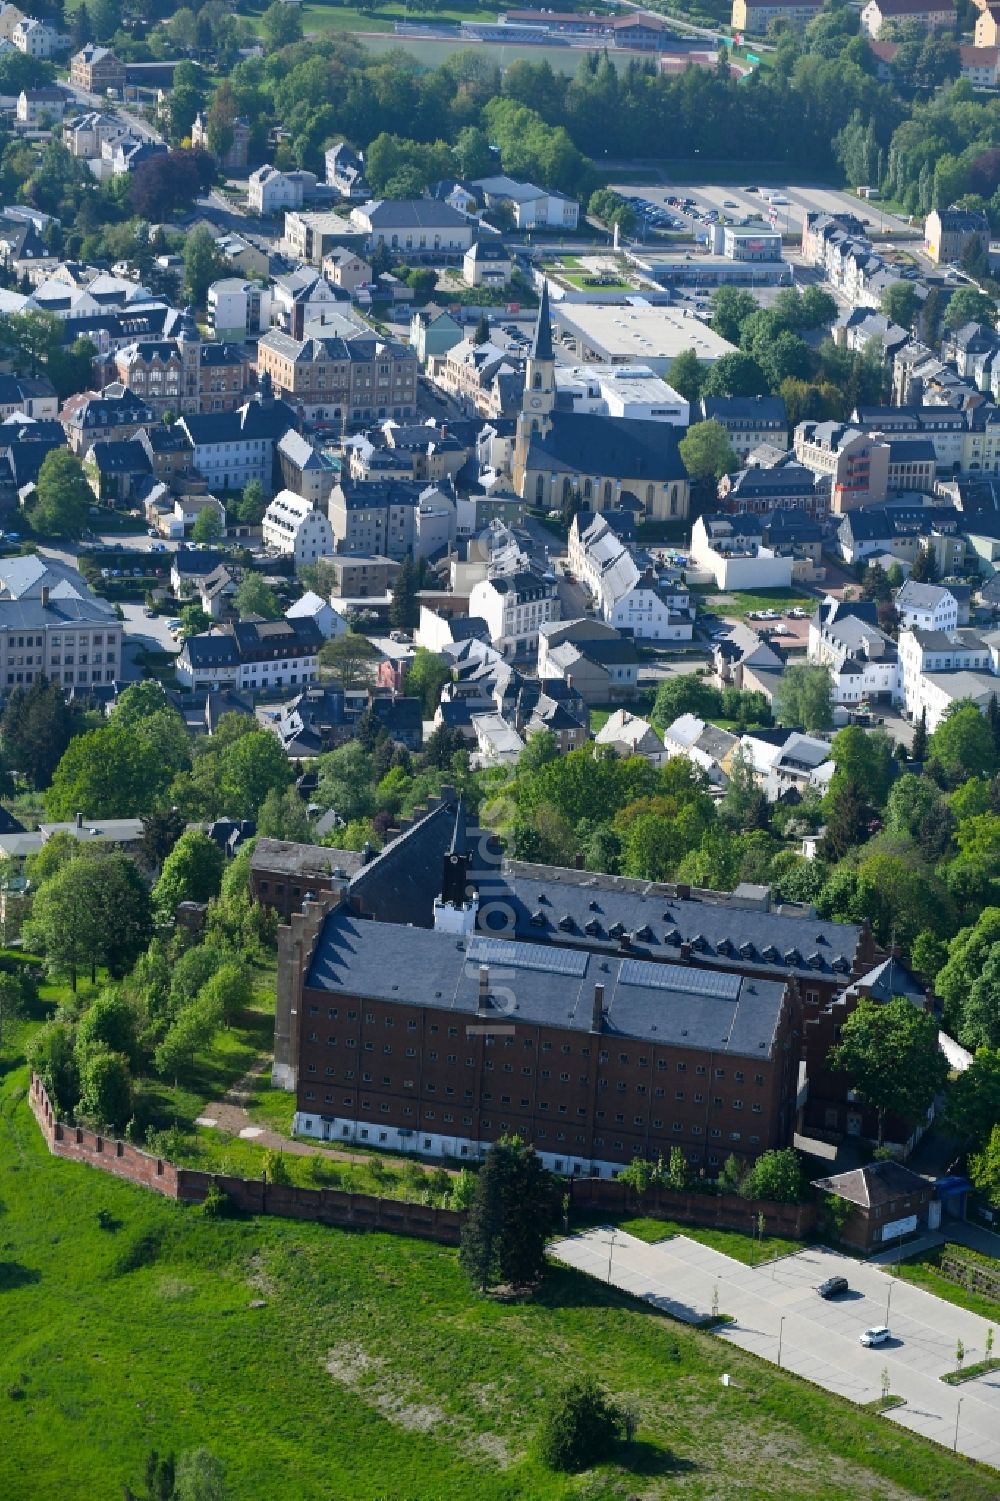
{"type": "Point", "coordinates": [535, 418]}
{"type": "Point", "coordinates": [455, 909]}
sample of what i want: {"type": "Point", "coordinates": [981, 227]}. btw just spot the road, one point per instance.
{"type": "Point", "coordinates": [778, 1317]}
{"type": "Point", "coordinates": [135, 123]}
{"type": "Point", "coordinates": [140, 633]}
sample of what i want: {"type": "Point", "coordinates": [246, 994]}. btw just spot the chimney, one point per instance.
{"type": "Point", "coordinates": [578, 861]}
{"type": "Point", "coordinates": [45, 595]}
{"type": "Point", "coordinates": [79, 820]}
{"type": "Point", "coordinates": [597, 1019]}
{"type": "Point", "coordinates": [685, 952]}
{"type": "Point", "coordinates": [484, 987]}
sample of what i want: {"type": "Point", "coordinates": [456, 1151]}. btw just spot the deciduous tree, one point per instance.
{"type": "Point", "coordinates": [889, 1052]}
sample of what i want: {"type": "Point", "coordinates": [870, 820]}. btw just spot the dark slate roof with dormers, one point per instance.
{"type": "Point", "coordinates": [622, 447]}
{"type": "Point", "coordinates": [669, 1004]}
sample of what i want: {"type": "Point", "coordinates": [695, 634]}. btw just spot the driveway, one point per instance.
{"type": "Point", "coordinates": [775, 1308]}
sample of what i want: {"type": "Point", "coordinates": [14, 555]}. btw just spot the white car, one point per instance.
{"type": "Point", "coordinates": [879, 1335]}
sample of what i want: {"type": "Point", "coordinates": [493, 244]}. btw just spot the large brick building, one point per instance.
{"type": "Point", "coordinates": [601, 1018]}
{"type": "Point", "coordinates": [341, 380]}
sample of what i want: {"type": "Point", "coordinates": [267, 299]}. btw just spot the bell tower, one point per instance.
{"type": "Point", "coordinates": [540, 373]}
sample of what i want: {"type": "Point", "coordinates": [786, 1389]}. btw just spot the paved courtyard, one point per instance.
{"type": "Point", "coordinates": [779, 1317]}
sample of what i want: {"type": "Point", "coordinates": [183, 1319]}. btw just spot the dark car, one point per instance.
{"type": "Point", "coordinates": [833, 1287]}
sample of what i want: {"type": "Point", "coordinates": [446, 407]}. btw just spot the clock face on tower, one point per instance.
{"type": "Point", "coordinates": [536, 401]}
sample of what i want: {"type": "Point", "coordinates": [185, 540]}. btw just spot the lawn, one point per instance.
{"type": "Point", "coordinates": [923, 1271]}
{"type": "Point", "coordinates": [317, 1363]}
{"type": "Point", "coordinates": [737, 602]}
{"type": "Point", "coordinates": [322, 18]}
{"type": "Point", "coordinates": [746, 1248]}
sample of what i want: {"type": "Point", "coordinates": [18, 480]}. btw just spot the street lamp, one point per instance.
{"type": "Point", "coordinates": [887, 1303]}
{"type": "Point", "coordinates": [781, 1331]}
{"type": "Point", "coordinates": [611, 1252]}
{"type": "Point", "coordinates": [958, 1414]}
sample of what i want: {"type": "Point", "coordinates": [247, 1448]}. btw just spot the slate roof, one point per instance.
{"type": "Point", "coordinates": [120, 458]}
{"type": "Point", "coordinates": [746, 409]}
{"type": "Point", "coordinates": [211, 650]}
{"type": "Point", "coordinates": [418, 213]}
{"type": "Point", "coordinates": [874, 1185]}
{"type": "Point", "coordinates": [667, 1004]}
{"type": "Point", "coordinates": [921, 596]}
{"type": "Point", "coordinates": [626, 447]}
{"type": "Point", "coordinates": [659, 921]}
{"type": "Point", "coordinates": [399, 885]}
{"type": "Point", "coordinates": [196, 562]}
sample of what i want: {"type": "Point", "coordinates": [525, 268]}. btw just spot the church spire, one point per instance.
{"type": "Point", "coordinates": [541, 349]}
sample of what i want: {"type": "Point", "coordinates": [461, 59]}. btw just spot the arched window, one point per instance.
{"type": "Point", "coordinates": [607, 492]}
{"type": "Point", "coordinates": [650, 492]}
{"type": "Point", "coordinates": [539, 489]}
{"type": "Point", "coordinates": [538, 380]}
{"type": "Point", "coordinates": [587, 489]}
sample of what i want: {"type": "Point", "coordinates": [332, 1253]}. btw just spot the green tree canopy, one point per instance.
{"type": "Point", "coordinates": [192, 872]}
{"type": "Point", "coordinates": [889, 1051]}
{"type": "Point", "coordinates": [962, 743]}
{"type": "Point", "coordinates": [503, 1239]}
{"type": "Point", "coordinates": [805, 697]}
{"type": "Point", "coordinates": [707, 451]}
{"type": "Point", "coordinates": [62, 498]}
{"type": "Point", "coordinates": [254, 597]}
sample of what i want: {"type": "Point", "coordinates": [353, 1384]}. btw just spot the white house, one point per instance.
{"type": "Point", "coordinates": [41, 108]}
{"type": "Point", "coordinates": [269, 191]}
{"type": "Point", "coordinates": [514, 606]}
{"type": "Point", "coordinates": [35, 38]}
{"type": "Point", "coordinates": [928, 607]}
{"type": "Point", "coordinates": [326, 618]}
{"type": "Point", "coordinates": [628, 735]}
{"type": "Point", "coordinates": [863, 660]}
{"type": "Point", "coordinates": [423, 228]}
{"type": "Point", "coordinates": [937, 668]}
{"type": "Point", "coordinates": [238, 309]}
{"type": "Point", "coordinates": [294, 526]}
{"type": "Point", "coordinates": [532, 207]}
{"type": "Point", "coordinates": [725, 547]}
{"type": "Point", "coordinates": [251, 654]}
{"type": "Point", "coordinates": [704, 744]}
{"type": "Point", "coordinates": [627, 596]}
{"type": "Point", "coordinates": [498, 742]}
{"type": "Point", "coordinates": [798, 761]}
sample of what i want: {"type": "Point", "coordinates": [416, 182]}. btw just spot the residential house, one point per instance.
{"type": "Point", "coordinates": [487, 380]}
{"type": "Point", "coordinates": [420, 229]}
{"type": "Point", "coordinates": [629, 735]}
{"type": "Point", "coordinates": [986, 34]}
{"type": "Point", "coordinates": [116, 471]}
{"type": "Point", "coordinates": [238, 309]}
{"type": "Point", "coordinates": [96, 70]}
{"type": "Point", "coordinates": [328, 621]}
{"type": "Point", "coordinates": [295, 527]}
{"type": "Point", "coordinates": [940, 668]}
{"type": "Point", "coordinates": [40, 108]}
{"type": "Point", "coordinates": [487, 263]}
{"type": "Point", "coordinates": [932, 15]}
{"type": "Point", "coordinates": [341, 380]}
{"type": "Point", "coordinates": [85, 134]}
{"type": "Point", "coordinates": [902, 530]}
{"type": "Point", "coordinates": [345, 171]}
{"type": "Point", "coordinates": [786, 761]}
{"type": "Point", "coordinates": [116, 414]}
{"type": "Point", "coordinates": [52, 625]}
{"type": "Point", "coordinates": [760, 490]}
{"type": "Point", "coordinates": [346, 269]}
{"type": "Point", "coordinates": [306, 302]}
{"type": "Point", "coordinates": [701, 743]}
{"type": "Point", "coordinates": [28, 396]}
{"type": "Point", "coordinates": [949, 234]}
{"type": "Point", "coordinates": [592, 658]}
{"type": "Point", "coordinates": [514, 607]}
{"type": "Point", "coordinates": [749, 420]}
{"type": "Point", "coordinates": [309, 237]}
{"type": "Point", "coordinates": [183, 375]}
{"type": "Point", "coordinates": [270, 192]}
{"type": "Point", "coordinates": [252, 655]}
{"type": "Point", "coordinates": [36, 38]}
{"type": "Point", "coordinates": [234, 158]}
{"type": "Point", "coordinates": [433, 331]}
{"type": "Point", "coordinates": [855, 464]}
{"type": "Point", "coordinates": [360, 577]}
{"type": "Point", "coordinates": [863, 661]}
{"type": "Point", "coordinates": [755, 17]}
{"type": "Point", "coordinates": [229, 449]}
{"type": "Point", "coordinates": [532, 207]}
{"type": "Point", "coordinates": [626, 590]}
{"type": "Point", "coordinates": [927, 607]}
{"type": "Point", "coordinates": [743, 659]}
{"type": "Point", "coordinates": [309, 471]}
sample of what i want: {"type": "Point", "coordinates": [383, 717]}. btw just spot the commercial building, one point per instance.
{"type": "Point", "coordinates": [749, 420]}
{"type": "Point", "coordinates": [229, 449]}
{"type": "Point", "coordinates": [310, 236]}
{"type": "Point", "coordinates": [421, 229]}
{"type": "Point", "coordinates": [52, 625]}
{"type": "Point", "coordinates": [515, 606]}
{"type": "Point", "coordinates": [950, 233]}
{"type": "Point", "coordinates": [252, 655]}
{"type": "Point", "coordinates": [633, 334]}
{"type": "Point", "coordinates": [731, 550]}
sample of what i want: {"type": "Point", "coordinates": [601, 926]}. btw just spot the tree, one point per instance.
{"type": "Point", "coordinates": [200, 1476]}
{"type": "Point", "coordinates": [687, 375]}
{"type": "Point", "coordinates": [350, 657]}
{"type": "Point", "coordinates": [735, 374]}
{"type": "Point", "coordinates": [582, 1427]}
{"type": "Point", "coordinates": [688, 693]}
{"type": "Point", "coordinates": [481, 332]}
{"type": "Point", "coordinates": [169, 182]}
{"type": "Point", "coordinates": [970, 305]}
{"type": "Point", "coordinates": [731, 307]}
{"type": "Point", "coordinates": [503, 1239]}
{"type": "Point", "coordinates": [52, 1057]}
{"type": "Point", "coordinates": [776, 1175]}
{"type": "Point", "coordinates": [962, 743]}
{"type": "Point", "coordinates": [918, 749]}
{"type": "Point", "coordinates": [35, 728]}
{"type": "Point", "coordinates": [194, 621]}
{"type": "Point", "coordinates": [425, 678]}
{"type": "Point", "coordinates": [252, 504]}
{"type": "Point", "coordinates": [192, 872]}
{"type": "Point", "coordinates": [875, 584]}
{"type": "Point", "coordinates": [14, 995]}
{"type": "Point", "coordinates": [254, 597]}
{"type": "Point", "coordinates": [707, 451]}
{"type": "Point", "coordinates": [95, 910]}
{"type": "Point", "coordinates": [106, 1090]}
{"type": "Point", "coordinates": [404, 611]}
{"type": "Point", "coordinates": [984, 1167]}
{"type": "Point", "coordinates": [973, 1105]}
{"type": "Point", "coordinates": [865, 758]}
{"type": "Point", "coordinates": [889, 1051]}
{"type": "Point", "coordinates": [847, 820]}
{"type": "Point", "coordinates": [105, 18]}
{"type": "Point", "coordinates": [109, 1025]}
{"type": "Point", "coordinates": [280, 26]}
{"type": "Point", "coordinates": [805, 697]}
{"type": "Point", "coordinates": [203, 262]}
{"type": "Point", "coordinates": [901, 304]}
{"type": "Point", "coordinates": [229, 992]}
{"type": "Point", "coordinates": [192, 1029]}
{"type": "Point", "coordinates": [208, 527]}
{"type": "Point", "coordinates": [30, 339]}
{"type": "Point", "coordinates": [925, 569]}
{"type": "Point", "coordinates": [62, 496]}
{"type": "Point", "coordinates": [283, 815]}
{"type": "Point", "coordinates": [118, 771]}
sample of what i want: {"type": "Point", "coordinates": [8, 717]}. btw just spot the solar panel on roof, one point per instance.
{"type": "Point", "coordinates": [708, 982]}
{"type": "Point", "coordinates": [537, 956]}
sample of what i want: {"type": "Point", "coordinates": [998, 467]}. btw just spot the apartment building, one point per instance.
{"type": "Point", "coordinates": [252, 655]}
{"type": "Point", "coordinates": [96, 70]}
{"type": "Point", "coordinates": [295, 527]}
{"type": "Point", "coordinates": [238, 309]}
{"type": "Point", "coordinates": [52, 625]}
{"type": "Point", "coordinates": [855, 464]}
{"type": "Point", "coordinates": [754, 17]}
{"type": "Point", "coordinates": [341, 380]}
{"type": "Point", "coordinates": [931, 15]}
{"type": "Point", "coordinates": [749, 420]}
{"type": "Point", "coordinates": [514, 607]}
{"type": "Point", "coordinates": [950, 233]}
{"type": "Point", "coordinates": [941, 668]}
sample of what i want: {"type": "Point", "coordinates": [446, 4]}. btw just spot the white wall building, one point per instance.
{"type": "Point", "coordinates": [622, 391]}
{"type": "Point", "coordinates": [927, 607]}
{"type": "Point", "coordinates": [863, 660]}
{"type": "Point", "coordinates": [238, 309]}
{"type": "Point", "coordinates": [937, 668]}
{"type": "Point", "coordinates": [627, 596]}
{"type": "Point", "coordinates": [514, 607]}
{"type": "Point", "coordinates": [737, 562]}
{"type": "Point", "coordinates": [292, 525]}
{"type": "Point", "coordinates": [269, 191]}
{"type": "Point", "coordinates": [35, 38]}
{"type": "Point", "coordinates": [311, 606]}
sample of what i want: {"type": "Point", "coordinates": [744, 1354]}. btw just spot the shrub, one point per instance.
{"type": "Point", "coordinates": [215, 1204]}
{"type": "Point", "coordinates": [582, 1427]}
{"type": "Point", "coordinates": [276, 1168]}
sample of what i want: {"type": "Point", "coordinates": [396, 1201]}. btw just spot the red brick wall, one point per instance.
{"type": "Point", "coordinates": [720, 1211]}
{"type": "Point", "coordinates": [187, 1185]}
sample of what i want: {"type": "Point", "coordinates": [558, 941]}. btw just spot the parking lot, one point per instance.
{"type": "Point", "coordinates": [779, 1317]}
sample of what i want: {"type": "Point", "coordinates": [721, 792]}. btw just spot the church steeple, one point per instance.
{"type": "Point", "coordinates": [539, 377]}
{"type": "Point", "coordinates": [541, 349]}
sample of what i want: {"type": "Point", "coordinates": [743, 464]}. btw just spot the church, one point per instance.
{"type": "Point", "coordinates": [607, 462]}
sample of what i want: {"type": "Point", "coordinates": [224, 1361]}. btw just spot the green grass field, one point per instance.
{"type": "Point", "coordinates": [370, 1370]}
{"type": "Point", "coordinates": [923, 1271]}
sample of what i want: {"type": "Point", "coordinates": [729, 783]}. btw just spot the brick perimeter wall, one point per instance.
{"type": "Point", "coordinates": [331, 1206]}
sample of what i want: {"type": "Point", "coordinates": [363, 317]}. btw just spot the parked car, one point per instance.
{"type": "Point", "coordinates": [878, 1335]}
{"type": "Point", "coordinates": [833, 1287]}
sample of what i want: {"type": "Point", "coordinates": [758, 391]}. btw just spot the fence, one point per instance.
{"type": "Point", "coordinates": [328, 1206]}
{"type": "Point", "coordinates": [713, 1211]}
